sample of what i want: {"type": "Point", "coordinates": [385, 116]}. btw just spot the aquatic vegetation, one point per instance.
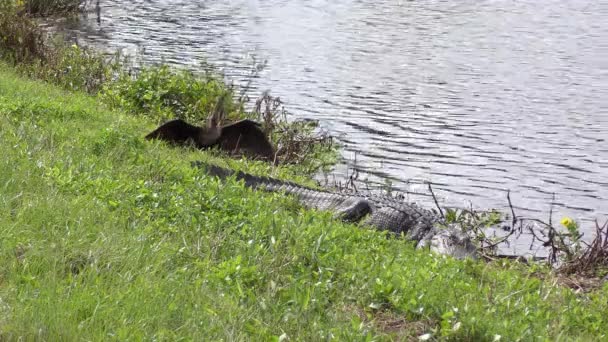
{"type": "Point", "coordinates": [20, 38]}
{"type": "Point", "coordinates": [34, 53]}
{"type": "Point", "coordinates": [163, 91]}
{"type": "Point", "coordinates": [48, 7]}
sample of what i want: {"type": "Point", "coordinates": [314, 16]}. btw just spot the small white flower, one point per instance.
{"type": "Point", "coordinates": [456, 326]}
{"type": "Point", "coordinates": [425, 337]}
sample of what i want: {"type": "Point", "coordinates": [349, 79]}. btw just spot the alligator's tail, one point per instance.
{"type": "Point", "coordinates": [252, 181]}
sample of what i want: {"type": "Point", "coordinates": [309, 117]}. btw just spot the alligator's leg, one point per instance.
{"type": "Point", "coordinates": [420, 229]}
{"type": "Point", "coordinates": [353, 209]}
{"type": "Point", "coordinates": [398, 221]}
{"type": "Point", "coordinates": [348, 209]}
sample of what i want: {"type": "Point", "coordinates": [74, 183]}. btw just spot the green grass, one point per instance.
{"type": "Point", "coordinates": [106, 236]}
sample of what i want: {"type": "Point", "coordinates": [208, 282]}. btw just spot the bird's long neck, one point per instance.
{"type": "Point", "coordinates": [208, 136]}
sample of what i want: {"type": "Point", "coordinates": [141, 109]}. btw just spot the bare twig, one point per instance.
{"type": "Point", "coordinates": [551, 210]}
{"type": "Point", "coordinates": [513, 216]}
{"type": "Point", "coordinates": [435, 199]}
{"type": "Point", "coordinates": [593, 258]}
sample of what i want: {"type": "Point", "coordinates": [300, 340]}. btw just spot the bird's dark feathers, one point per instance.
{"type": "Point", "coordinates": [243, 136]}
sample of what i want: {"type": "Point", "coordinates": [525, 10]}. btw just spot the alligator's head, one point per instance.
{"type": "Point", "coordinates": [451, 241]}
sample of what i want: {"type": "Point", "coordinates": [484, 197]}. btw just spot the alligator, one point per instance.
{"type": "Point", "coordinates": [421, 225]}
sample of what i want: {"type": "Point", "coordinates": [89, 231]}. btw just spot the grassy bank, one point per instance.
{"type": "Point", "coordinates": [106, 236]}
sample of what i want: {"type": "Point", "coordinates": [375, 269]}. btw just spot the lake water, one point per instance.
{"type": "Point", "coordinates": [477, 97]}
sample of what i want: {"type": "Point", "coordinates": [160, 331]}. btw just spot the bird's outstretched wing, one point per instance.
{"type": "Point", "coordinates": [242, 136]}
{"type": "Point", "coordinates": [246, 136]}
{"type": "Point", "coordinates": [176, 131]}
{"type": "Point", "coordinates": [180, 132]}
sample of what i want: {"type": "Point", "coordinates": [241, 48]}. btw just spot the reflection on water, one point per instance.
{"type": "Point", "coordinates": [476, 96]}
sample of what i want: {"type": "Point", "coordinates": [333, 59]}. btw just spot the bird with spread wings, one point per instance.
{"type": "Point", "coordinates": [245, 136]}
